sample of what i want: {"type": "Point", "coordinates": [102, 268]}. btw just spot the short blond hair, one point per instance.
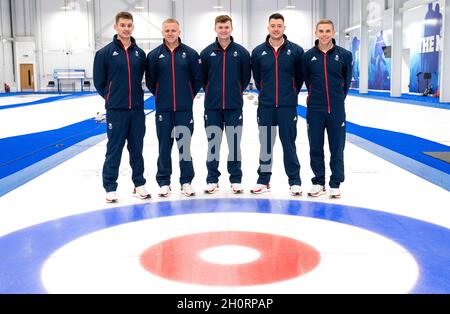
{"type": "Point", "coordinates": [170, 20]}
{"type": "Point", "coordinates": [325, 21]}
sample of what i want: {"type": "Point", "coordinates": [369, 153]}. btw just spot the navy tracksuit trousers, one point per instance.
{"type": "Point", "coordinates": [335, 125]}
{"type": "Point", "coordinates": [215, 122]}
{"type": "Point", "coordinates": [124, 125]}
{"type": "Point", "coordinates": [286, 120]}
{"type": "Point", "coordinates": [178, 125]}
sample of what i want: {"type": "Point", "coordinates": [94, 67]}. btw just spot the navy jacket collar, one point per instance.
{"type": "Point", "coordinates": [284, 43]}
{"type": "Point", "coordinates": [218, 46]}
{"type": "Point", "coordinates": [168, 49]}
{"type": "Point", "coordinates": [316, 44]}
{"type": "Point", "coordinates": [118, 42]}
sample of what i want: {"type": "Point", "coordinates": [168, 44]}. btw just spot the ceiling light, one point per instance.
{"type": "Point", "coordinates": [290, 5]}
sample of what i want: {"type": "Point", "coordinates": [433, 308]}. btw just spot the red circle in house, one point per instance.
{"type": "Point", "coordinates": [281, 258]}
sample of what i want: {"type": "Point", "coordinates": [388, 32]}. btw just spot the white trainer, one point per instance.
{"type": "Point", "coordinates": [187, 189]}
{"type": "Point", "coordinates": [164, 191]}
{"type": "Point", "coordinates": [211, 188]}
{"type": "Point", "coordinates": [296, 190]}
{"type": "Point", "coordinates": [317, 190]}
{"type": "Point", "coordinates": [335, 193]}
{"type": "Point", "coordinates": [237, 188]}
{"type": "Point", "coordinates": [111, 197]}
{"type": "Point", "coordinates": [260, 188]}
{"type": "Point", "coordinates": [141, 192]}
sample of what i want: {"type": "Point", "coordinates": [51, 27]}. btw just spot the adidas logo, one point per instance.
{"type": "Point", "coordinates": [313, 58]}
{"type": "Point", "coordinates": [192, 121]}
{"type": "Point", "coordinates": [295, 118]}
{"type": "Point", "coordinates": [115, 53]}
{"type": "Point", "coordinates": [240, 117]}
{"type": "Point", "coordinates": [213, 54]}
{"type": "Point", "coordinates": [161, 56]}
{"type": "Point", "coordinates": [264, 53]}
{"type": "Point", "coordinates": [343, 124]}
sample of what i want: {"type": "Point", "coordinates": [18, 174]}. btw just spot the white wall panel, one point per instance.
{"type": "Point", "coordinates": [147, 21]}
{"type": "Point", "coordinates": [64, 36]}
{"type": "Point", "coordinates": [23, 18]}
{"type": "Point", "coordinates": [298, 21]}
{"type": "Point", "coordinates": [69, 38]}
{"type": "Point", "coordinates": [6, 55]}
{"type": "Point", "coordinates": [355, 12]}
{"type": "Point", "coordinates": [332, 11]}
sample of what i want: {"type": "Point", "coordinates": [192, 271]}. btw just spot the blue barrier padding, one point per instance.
{"type": "Point", "coordinates": [404, 145]}
{"type": "Point", "coordinates": [417, 100]}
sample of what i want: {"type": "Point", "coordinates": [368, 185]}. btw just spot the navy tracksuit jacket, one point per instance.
{"type": "Point", "coordinates": [174, 77]}
{"type": "Point", "coordinates": [118, 75]}
{"type": "Point", "coordinates": [278, 77]}
{"type": "Point", "coordinates": [226, 74]}
{"type": "Point", "coordinates": [327, 77]}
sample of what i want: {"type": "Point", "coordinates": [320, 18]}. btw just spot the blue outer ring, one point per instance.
{"type": "Point", "coordinates": [24, 252]}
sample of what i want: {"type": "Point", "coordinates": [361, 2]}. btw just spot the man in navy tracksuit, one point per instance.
{"type": "Point", "coordinates": [226, 73]}
{"type": "Point", "coordinates": [118, 71]}
{"type": "Point", "coordinates": [276, 66]}
{"type": "Point", "coordinates": [173, 75]}
{"type": "Point", "coordinates": [328, 72]}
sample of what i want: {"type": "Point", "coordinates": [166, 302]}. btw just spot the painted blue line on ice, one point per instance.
{"type": "Point", "coordinates": [26, 174]}
{"type": "Point", "coordinates": [19, 152]}
{"type": "Point", "coordinates": [34, 102]}
{"type": "Point", "coordinates": [25, 251]}
{"type": "Point", "coordinates": [47, 100]}
{"type": "Point", "coordinates": [24, 155]}
{"type": "Point", "coordinates": [401, 149]}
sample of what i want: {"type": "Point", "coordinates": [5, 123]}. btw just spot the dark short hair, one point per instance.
{"type": "Point", "coordinates": [123, 15]}
{"type": "Point", "coordinates": [330, 22]}
{"type": "Point", "coordinates": [276, 16]}
{"type": "Point", "coordinates": [223, 19]}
